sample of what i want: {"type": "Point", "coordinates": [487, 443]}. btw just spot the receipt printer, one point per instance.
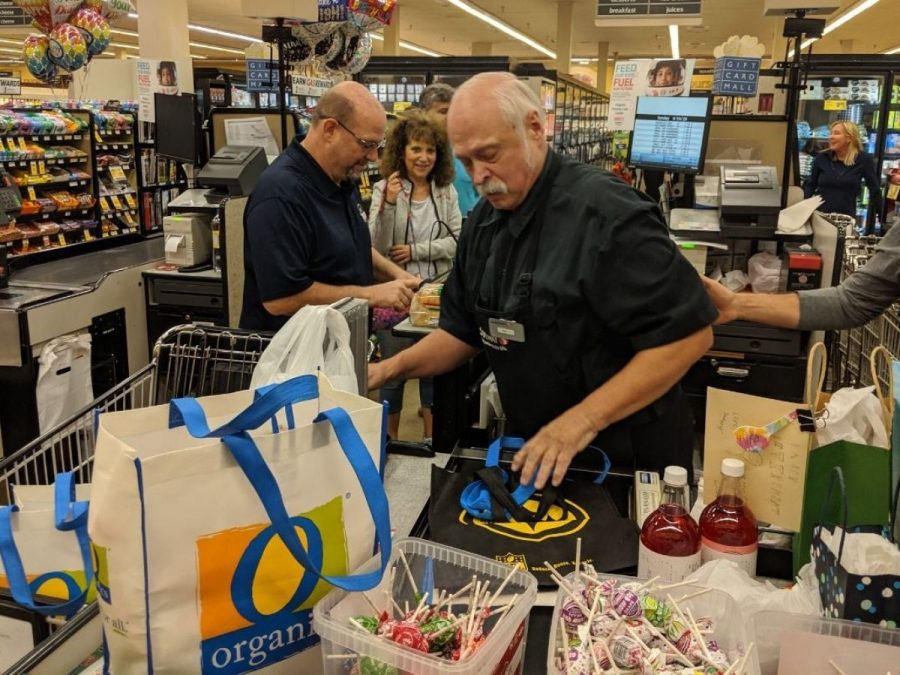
{"type": "Point", "coordinates": [749, 200]}
{"type": "Point", "coordinates": [188, 238]}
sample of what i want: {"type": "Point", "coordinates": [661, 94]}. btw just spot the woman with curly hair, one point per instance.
{"type": "Point", "coordinates": [415, 221]}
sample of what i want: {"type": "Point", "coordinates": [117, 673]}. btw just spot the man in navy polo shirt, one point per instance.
{"type": "Point", "coordinates": [306, 241]}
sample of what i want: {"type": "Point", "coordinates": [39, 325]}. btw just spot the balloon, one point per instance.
{"type": "Point", "coordinates": [329, 47]}
{"type": "Point", "coordinates": [39, 10]}
{"type": "Point", "coordinates": [109, 9]}
{"type": "Point", "coordinates": [36, 57]}
{"type": "Point", "coordinates": [351, 36]}
{"type": "Point", "coordinates": [363, 21]}
{"type": "Point", "coordinates": [298, 51]}
{"type": "Point", "coordinates": [314, 31]}
{"type": "Point", "coordinates": [61, 10]}
{"type": "Point", "coordinates": [68, 49]}
{"type": "Point", "coordinates": [94, 29]}
{"type": "Point", "coordinates": [361, 57]}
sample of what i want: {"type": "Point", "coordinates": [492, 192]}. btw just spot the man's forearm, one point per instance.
{"type": "Point", "coordinates": [773, 309]}
{"type": "Point", "coordinates": [649, 375]}
{"type": "Point", "coordinates": [386, 270]}
{"type": "Point", "coordinates": [317, 294]}
{"type": "Point", "coordinates": [437, 353]}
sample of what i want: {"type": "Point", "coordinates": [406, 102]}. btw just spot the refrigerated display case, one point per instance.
{"type": "Point", "coordinates": [862, 89]}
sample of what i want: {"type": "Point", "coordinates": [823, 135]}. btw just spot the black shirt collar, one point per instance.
{"type": "Point", "coordinates": [519, 217]}
{"type": "Point", "coordinates": [321, 180]}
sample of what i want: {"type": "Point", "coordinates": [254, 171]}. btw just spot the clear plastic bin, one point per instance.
{"type": "Point", "coordinates": [502, 651]}
{"type": "Point", "coordinates": [731, 633]}
{"type": "Point", "coordinates": [775, 630]}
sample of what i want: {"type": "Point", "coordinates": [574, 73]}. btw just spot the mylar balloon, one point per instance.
{"type": "Point", "coordinates": [61, 10]}
{"type": "Point", "coordinates": [329, 47]}
{"type": "Point", "coordinates": [68, 49]}
{"type": "Point", "coordinates": [109, 9]}
{"type": "Point", "coordinates": [94, 29]}
{"type": "Point", "coordinates": [361, 56]}
{"type": "Point", "coordinates": [314, 31]}
{"type": "Point", "coordinates": [298, 52]}
{"type": "Point", "coordinates": [39, 10]}
{"type": "Point", "coordinates": [36, 58]}
{"type": "Point", "coordinates": [351, 36]}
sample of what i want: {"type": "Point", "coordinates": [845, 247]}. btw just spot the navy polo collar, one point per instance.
{"type": "Point", "coordinates": [321, 180]}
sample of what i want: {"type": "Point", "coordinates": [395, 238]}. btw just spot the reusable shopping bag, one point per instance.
{"type": "Point", "coordinates": [315, 338]}
{"type": "Point", "coordinates": [213, 546]}
{"type": "Point", "coordinates": [865, 466]}
{"type": "Point", "coordinates": [64, 379]}
{"type": "Point", "coordinates": [44, 552]}
{"type": "Point", "coordinates": [484, 510]}
{"type": "Point", "coordinates": [870, 591]}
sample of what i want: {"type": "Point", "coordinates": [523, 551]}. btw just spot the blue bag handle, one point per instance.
{"type": "Point", "coordinates": [476, 498]}
{"type": "Point", "coordinates": [72, 516]}
{"type": "Point", "coordinates": [248, 457]}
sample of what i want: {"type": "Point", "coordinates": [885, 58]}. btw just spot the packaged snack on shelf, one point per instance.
{"type": "Point", "coordinates": [425, 309]}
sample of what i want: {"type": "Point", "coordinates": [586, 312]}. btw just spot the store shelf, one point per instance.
{"type": "Point", "coordinates": [115, 133]}
{"type": "Point", "coordinates": [113, 147]}
{"type": "Point", "coordinates": [46, 138]}
{"type": "Point", "coordinates": [51, 215]}
{"type": "Point", "coordinates": [62, 182]}
{"type": "Point", "coordinates": [165, 186]}
{"type": "Point", "coordinates": [56, 161]}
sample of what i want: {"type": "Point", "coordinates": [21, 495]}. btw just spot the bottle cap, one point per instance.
{"type": "Point", "coordinates": [733, 468]}
{"type": "Point", "coordinates": [676, 476]}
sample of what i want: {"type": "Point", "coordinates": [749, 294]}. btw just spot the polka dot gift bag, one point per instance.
{"type": "Point", "coordinates": [858, 570]}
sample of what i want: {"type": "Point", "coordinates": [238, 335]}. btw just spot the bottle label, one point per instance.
{"type": "Point", "coordinates": [744, 556]}
{"type": "Point", "coordinates": [668, 568]}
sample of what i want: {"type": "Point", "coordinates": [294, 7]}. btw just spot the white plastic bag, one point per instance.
{"type": "Point", "coordinates": [316, 337]}
{"type": "Point", "coordinates": [765, 272]}
{"type": "Point", "coordinates": [64, 379]}
{"type": "Point", "coordinates": [853, 415]}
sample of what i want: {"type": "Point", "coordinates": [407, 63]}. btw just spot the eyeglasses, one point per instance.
{"type": "Point", "coordinates": [366, 145]}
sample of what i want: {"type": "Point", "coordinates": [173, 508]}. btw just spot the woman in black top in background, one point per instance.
{"type": "Point", "coordinates": [837, 172]}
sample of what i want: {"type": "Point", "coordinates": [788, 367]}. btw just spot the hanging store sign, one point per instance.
{"type": "Point", "coordinates": [648, 12]}
{"type": "Point", "coordinates": [302, 85]}
{"type": "Point", "coordinates": [13, 16]}
{"type": "Point", "coordinates": [835, 105]}
{"type": "Point", "coordinates": [10, 86]}
{"type": "Point", "coordinates": [262, 75]}
{"type": "Point", "coordinates": [735, 76]}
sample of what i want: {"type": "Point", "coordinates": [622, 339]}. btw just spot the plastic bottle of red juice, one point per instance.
{"type": "Point", "coordinates": [670, 538]}
{"type": "Point", "coordinates": [728, 527]}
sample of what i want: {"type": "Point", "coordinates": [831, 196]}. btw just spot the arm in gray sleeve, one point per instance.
{"type": "Point", "coordinates": [863, 296]}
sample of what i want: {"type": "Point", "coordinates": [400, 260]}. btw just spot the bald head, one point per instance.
{"type": "Point", "coordinates": [346, 102]}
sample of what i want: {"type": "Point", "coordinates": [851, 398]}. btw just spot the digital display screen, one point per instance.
{"type": "Point", "coordinates": [670, 133]}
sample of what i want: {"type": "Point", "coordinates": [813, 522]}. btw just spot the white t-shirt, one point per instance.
{"type": "Point", "coordinates": [424, 227]}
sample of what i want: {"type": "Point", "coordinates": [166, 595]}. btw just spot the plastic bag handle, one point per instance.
{"type": "Point", "coordinates": [837, 475]}
{"type": "Point", "coordinates": [73, 516]}
{"type": "Point", "coordinates": [816, 362]}
{"type": "Point", "coordinates": [886, 399]}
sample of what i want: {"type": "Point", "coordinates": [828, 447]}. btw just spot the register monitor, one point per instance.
{"type": "Point", "coordinates": [233, 169]}
{"type": "Point", "coordinates": [670, 133]}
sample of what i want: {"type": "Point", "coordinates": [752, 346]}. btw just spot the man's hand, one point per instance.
{"type": "Point", "coordinates": [394, 294]}
{"type": "Point", "coordinates": [393, 188]}
{"type": "Point", "coordinates": [400, 254]}
{"type": "Point", "coordinates": [552, 449]}
{"type": "Point", "coordinates": [724, 300]}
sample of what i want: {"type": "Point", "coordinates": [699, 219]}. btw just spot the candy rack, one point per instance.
{"type": "Point", "coordinates": [116, 166]}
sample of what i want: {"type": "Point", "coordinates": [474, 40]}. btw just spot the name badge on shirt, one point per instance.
{"type": "Point", "coordinates": [505, 329]}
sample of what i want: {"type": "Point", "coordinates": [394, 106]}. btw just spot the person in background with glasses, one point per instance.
{"type": "Point", "coordinates": [415, 221]}
{"type": "Point", "coordinates": [436, 99]}
{"type": "Point", "coordinates": [306, 240]}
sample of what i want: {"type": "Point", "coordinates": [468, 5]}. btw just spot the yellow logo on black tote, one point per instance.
{"type": "Point", "coordinates": [557, 523]}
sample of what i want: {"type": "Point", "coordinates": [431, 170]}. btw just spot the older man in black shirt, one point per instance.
{"type": "Point", "coordinates": [306, 241]}
{"type": "Point", "coordinates": [566, 277]}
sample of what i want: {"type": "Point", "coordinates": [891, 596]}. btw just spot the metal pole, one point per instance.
{"type": "Point", "coordinates": [282, 83]}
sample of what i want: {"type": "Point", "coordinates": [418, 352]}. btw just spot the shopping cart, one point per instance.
{"type": "Point", "coordinates": [188, 360]}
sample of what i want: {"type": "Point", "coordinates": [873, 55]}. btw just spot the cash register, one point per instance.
{"type": "Point", "coordinates": [234, 170]}
{"type": "Point", "coordinates": [750, 200]}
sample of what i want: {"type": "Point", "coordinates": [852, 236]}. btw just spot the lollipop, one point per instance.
{"type": "Point", "coordinates": [37, 59]}
{"type": "Point", "coordinates": [68, 49]}
{"type": "Point", "coordinates": [94, 29]}
{"type": "Point", "coordinates": [627, 603]}
{"type": "Point", "coordinates": [657, 613]}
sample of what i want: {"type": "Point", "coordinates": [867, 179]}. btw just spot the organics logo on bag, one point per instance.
{"type": "Point", "coordinates": [557, 523]}
{"type": "Point", "coordinates": [255, 599]}
{"type": "Point", "coordinates": [62, 585]}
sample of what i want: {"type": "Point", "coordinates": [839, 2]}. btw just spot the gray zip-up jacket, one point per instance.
{"type": "Point", "coordinates": [863, 296]}
{"type": "Point", "coordinates": [387, 224]}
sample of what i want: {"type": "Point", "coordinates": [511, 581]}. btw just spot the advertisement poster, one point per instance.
{"type": "Point", "coordinates": [645, 77]}
{"type": "Point", "coordinates": [155, 77]}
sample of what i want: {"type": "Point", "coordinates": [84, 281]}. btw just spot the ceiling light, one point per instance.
{"type": "Point", "coordinates": [407, 45]}
{"type": "Point", "coordinates": [855, 11]}
{"type": "Point", "coordinates": [20, 43]}
{"type": "Point", "coordinates": [499, 25]}
{"type": "Point", "coordinates": [10, 50]}
{"type": "Point", "coordinates": [673, 41]}
{"type": "Point", "coordinates": [203, 45]}
{"type": "Point", "coordinates": [119, 31]}
{"type": "Point", "coordinates": [211, 31]}
{"type": "Point", "coordinates": [123, 45]}
{"type": "Point", "coordinates": [895, 50]}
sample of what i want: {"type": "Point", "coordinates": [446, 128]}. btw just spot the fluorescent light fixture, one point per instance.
{"type": "Point", "coordinates": [895, 50]}
{"type": "Point", "coordinates": [229, 50]}
{"type": "Point", "coordinates": [119, 31]}
{"type": "Point", "coordinates": [211, 31]}
{"type": "Point", "coordinates": [123, 45]}
{"type": "Point", "coordinates": [673, 41]}
{"type": "Point", "coordinates": [501, 26]}
{"type": "Point", "coordinates": [853, 12]}
{"type": "Point", "coordinates": [407, 45]}
{"type": "Point", "coordinates": [10, 50]}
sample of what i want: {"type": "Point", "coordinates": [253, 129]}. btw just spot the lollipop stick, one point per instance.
{"type": "Point", "coordinates": [609, 656]}
{"type": "Point", "coordinates": [578, 559]}
{"type": "Point", "coordinates": [371, 604]}
{"type": "Point", "coordinates": [694, 595]}
{"type": "Point", "coordinates": [409, 574]}
{"type": "Point", "coordinates": [700, 637]}
{"type": "Point", "coordinates": [568, 589]}
{"type": "Point", "coordinates": [648, 583]}
{"type": "Point", "coordinates": [503, 585]}
{"type": "Point", "coordinates": [677, 654]}
{"type": "Point", "coordinates": [356, 624]}
{"type": "Point", "coordinates": [462, 591]}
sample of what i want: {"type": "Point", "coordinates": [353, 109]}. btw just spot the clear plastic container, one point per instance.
{"type": "Point", "coordinates": [502, 651]}
{"type": "Point", "coordinates": [730, 631]}
{"type": "Point", "coordinates": [777, 630]}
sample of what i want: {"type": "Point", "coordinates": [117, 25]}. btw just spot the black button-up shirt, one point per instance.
{"type": "Point", "coordinates": [300, 227]}
{"type": "Point", "coordinates": [608, 281]}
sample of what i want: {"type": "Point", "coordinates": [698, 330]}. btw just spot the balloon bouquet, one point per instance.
{"type": "Point", "coordinates": [72, 33]}
{"type": "Point", "coordinates": [340, 39]}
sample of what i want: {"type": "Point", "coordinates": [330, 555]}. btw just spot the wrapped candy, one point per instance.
{"type": "Point", "coordinates": [627, 603]}
{"type": "Point", "coordinates": [602, 625]}
{"type": "Point", "coordinates": [435, 630]}
{"type": "Point", "coordinates": [578, 662]}
{"type": "Point", "coordinates": [656, 611]}
{"type": "Point", "coordinates": [408, 634]}
{"type": "Point", "coordinates": [94, 29]}
{"type": "Point", "coordinates": [626, 652]}
{"type": "Point", "coordinates": [572, 614]}
{"type": "Point", "coordinates": [370, 623]}
{"type": "Point", "coordinates": [68, 49]}
{"type": "Point", "coordinates": [370, 666]}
